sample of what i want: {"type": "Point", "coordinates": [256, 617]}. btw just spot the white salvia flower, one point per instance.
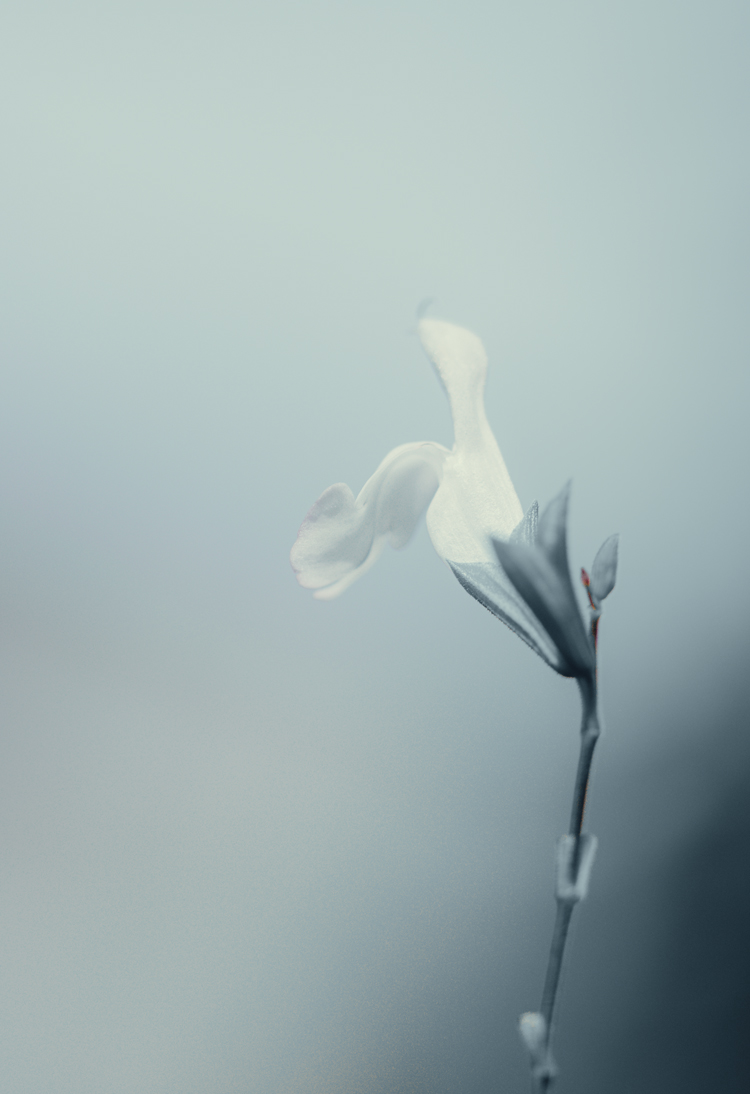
{"type": "Point", "coordinates": [467, 491]}
{"type": "Point", "coordinates": [516, 566]}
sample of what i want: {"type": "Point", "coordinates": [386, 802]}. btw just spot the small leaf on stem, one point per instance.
{"type": "Point", "coordinates": [604, 570]}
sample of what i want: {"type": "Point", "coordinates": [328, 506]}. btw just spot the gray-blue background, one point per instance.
{"type": "Point", "coordinates": [255, 843]}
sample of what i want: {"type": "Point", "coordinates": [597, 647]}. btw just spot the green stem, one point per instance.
{"type": "Point", "coordinates": [556, 953]}
{"type": "Point", "coordinates": [589, 735]}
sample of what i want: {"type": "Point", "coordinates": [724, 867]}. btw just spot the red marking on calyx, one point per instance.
{"type": "Point", "coordinates": [586, 580]}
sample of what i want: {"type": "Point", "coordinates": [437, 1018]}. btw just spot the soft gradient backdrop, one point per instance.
{"type": "Point", "coordinates": [259, 844]}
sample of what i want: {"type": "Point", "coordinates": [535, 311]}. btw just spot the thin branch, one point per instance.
{"type": "Point", "coordinates": [575, 855]}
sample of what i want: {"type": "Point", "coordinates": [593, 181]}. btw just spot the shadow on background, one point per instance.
{"type": "Point", "coordinates": [662, 976]}
{"type": "Point", "coordinates": [656, 993]}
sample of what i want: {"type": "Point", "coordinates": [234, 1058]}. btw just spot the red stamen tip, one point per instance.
{"type": "Point", "coordinates": [585, 578]}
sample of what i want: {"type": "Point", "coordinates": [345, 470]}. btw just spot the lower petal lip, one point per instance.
{"type": "Point", "coordinates": [342, 537]}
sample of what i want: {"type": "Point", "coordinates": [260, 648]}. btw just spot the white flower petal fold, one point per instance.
{"type": "Point", "coordinates": [467, 491]}
{"type": "Point", "coordinates": [341, 537]}
{"type": "Point", "coordinates": [477, 501]}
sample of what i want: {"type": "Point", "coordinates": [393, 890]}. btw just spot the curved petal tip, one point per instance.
{"type": "Point", "coordinates": [456, 353]}
{"type": "Point", "coordinates": [342, 537]}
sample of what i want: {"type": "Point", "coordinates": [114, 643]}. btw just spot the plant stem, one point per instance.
{"type": "Point", "coordinates": [556, 953]}
{"type": "Point", "coordinates": [589, 735]}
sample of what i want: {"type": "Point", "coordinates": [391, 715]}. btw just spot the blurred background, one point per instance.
{"type": "Point", "coordinates": [256, 843]}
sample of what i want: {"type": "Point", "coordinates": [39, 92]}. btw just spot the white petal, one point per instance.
{"type": "Point", "coordinates": [458, 357]}
{"type": "Point", "coordinates": [341, 537]}
{"type": "Point", "coordinates": [476, 501]}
